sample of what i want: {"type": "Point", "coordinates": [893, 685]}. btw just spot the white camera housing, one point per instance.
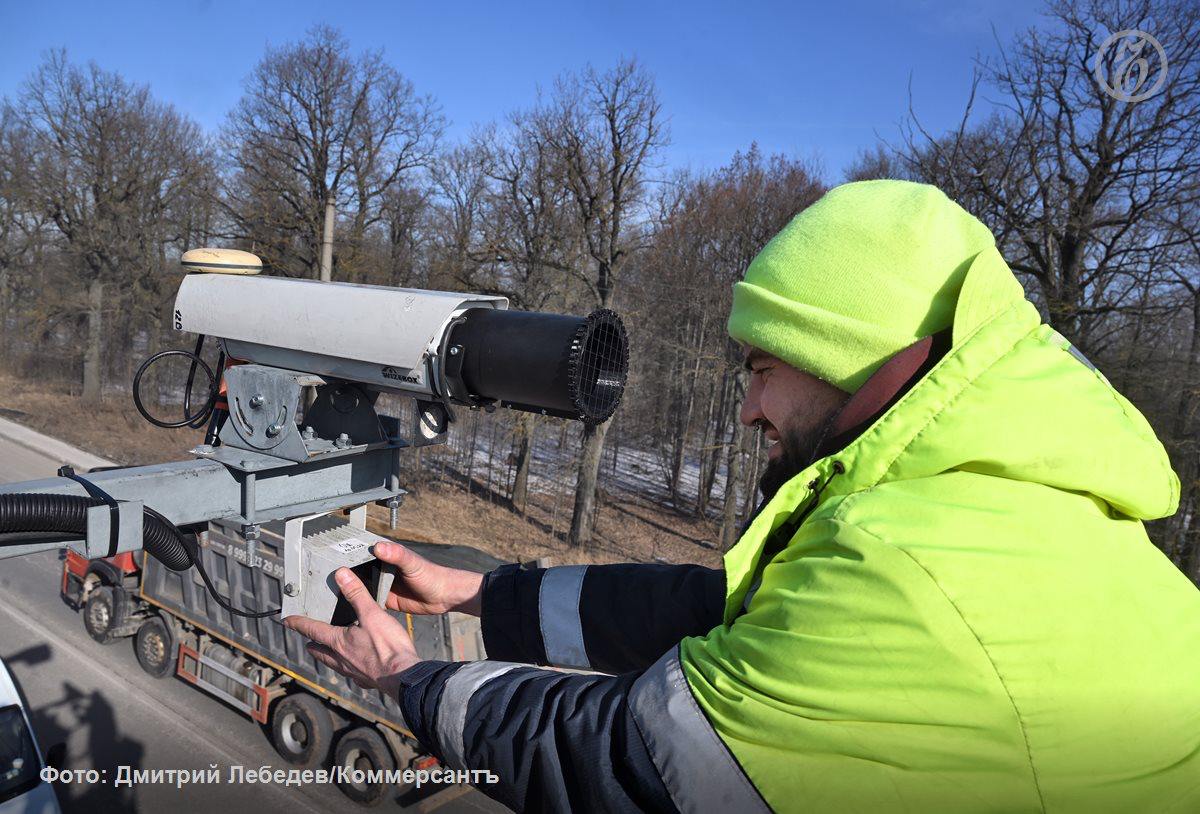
{"type": "Point", "coordinates": [379, 336]}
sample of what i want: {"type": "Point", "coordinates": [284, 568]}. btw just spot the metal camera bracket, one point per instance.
{"type": "Point", "coordinates": [264, 403]}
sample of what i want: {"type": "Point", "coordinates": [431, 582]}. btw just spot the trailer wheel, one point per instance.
{"type": "Point", "coordinates": [362, 749]}
{"type": "Point", "coordinates": [156, 647]}
{"type": "Point", "coordinates": [101, 612]}
{"type": "Point", "coordinates": [301, 730]}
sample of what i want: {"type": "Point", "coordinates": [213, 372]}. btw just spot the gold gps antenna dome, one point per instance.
{"type": "Point", "coordinates": [220, 261]}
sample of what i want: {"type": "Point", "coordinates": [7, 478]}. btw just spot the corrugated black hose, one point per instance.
{"type": "Point", "coordinates": [67, 514]}
{"type": "Point", "coordinates": [23, 512]}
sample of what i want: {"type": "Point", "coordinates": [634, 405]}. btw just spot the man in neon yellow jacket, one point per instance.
{"type": "Point", "coordinates": [947, 601]}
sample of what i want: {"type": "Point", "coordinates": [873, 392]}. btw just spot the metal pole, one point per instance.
{"type": "Point", "coordinates": [327, 241]}
{"type": "Point", "coordinates": [310, 393]}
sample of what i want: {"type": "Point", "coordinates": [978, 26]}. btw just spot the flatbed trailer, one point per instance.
{"type": "Point", "coordinates": [316, 717]}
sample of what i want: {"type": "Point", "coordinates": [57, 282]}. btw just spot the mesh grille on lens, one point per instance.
{"type": "Point", "coordinates": [600, 365]}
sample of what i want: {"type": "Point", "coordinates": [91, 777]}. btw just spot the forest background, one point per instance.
{"type": "Point", "coordinates": [568, 205]}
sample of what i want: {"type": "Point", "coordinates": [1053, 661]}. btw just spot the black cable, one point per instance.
{"type": "Point", "coordinates": [191, 379]}
{"type": "Point", "coordinates": [35, 513]}
{"type": "Point", "coordinates": [217, 419]}
{"type": "Point", "coordinates": [213, 417]}
{"type": "Point", "coordinates": [194, 551]}
{"type": "Point", "coordinates": [214, 427]}
{"type": "Point", "coordinates": [189, 420]}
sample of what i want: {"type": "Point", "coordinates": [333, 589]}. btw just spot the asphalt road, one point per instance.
{"type": "Point", "coordinates": [110, 713]}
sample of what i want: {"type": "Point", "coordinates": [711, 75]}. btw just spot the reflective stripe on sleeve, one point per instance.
{"type": "Point", "coordinates": [452, 708]}
{"type": "Point", "coordinates": [697, 768]}
{"type": "Point", "coordinates": [558, 616]}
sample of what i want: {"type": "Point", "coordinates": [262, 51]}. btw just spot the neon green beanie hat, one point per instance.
{"type": "Point", "coordinates": [863, 273]}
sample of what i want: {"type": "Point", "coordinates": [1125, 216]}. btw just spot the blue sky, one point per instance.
{"type": "Point", "coordinates": [816, 80]}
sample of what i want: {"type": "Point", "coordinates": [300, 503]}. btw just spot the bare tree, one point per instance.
{"type": "Point", "coordinates": [528, 233]}
{"type": "Point", "coordinates": [605, 130]}
{"type": "Point", "coordinates": [15, 222]}
{"type": "Point", "coordinates": [710, 230]}
{"type": "Point", "coordinates": [317, 124]}
{"type": "Point", "coordinates": [1068, 174]}
{"type": "Point", "coordinates": [1182, 538]}
{"type": "Point", "coordinates": [402, 217]}
{"type": "Point", "coordinates": [460, 179]}
{"type": "Point", "coordinates": [1093, 198]}
{"type": "Point", "coordinates": [106, 163]}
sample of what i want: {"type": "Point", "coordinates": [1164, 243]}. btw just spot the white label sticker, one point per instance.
{"type": "Point", "coordinates": [349, 546]}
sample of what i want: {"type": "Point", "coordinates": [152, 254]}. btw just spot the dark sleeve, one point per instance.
{"type": "Point", "coordinates": [535, 739]}
{"type": "Point", "coordinates": [610, 618]}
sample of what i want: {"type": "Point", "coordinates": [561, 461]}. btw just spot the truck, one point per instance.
{"type": "Point", "coordinates": [314, 716]}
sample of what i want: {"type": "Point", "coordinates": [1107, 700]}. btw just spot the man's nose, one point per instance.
{"type": "Point", "coordinates": [750, 412]}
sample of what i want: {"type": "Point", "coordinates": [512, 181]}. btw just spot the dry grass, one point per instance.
{"type": "Point", "coordinates": [626, 530]}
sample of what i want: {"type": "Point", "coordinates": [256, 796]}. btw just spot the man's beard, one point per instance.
{"type": "Point", "coordinates": [795, 453]}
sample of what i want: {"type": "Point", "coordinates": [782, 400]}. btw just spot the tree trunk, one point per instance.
{"type": "Point", "coordinates": [750, 487]}
{"type": "Point", "coordinates": [491, 455]}
{"type": "Point", "coordinates": [708, 472]}
{"type": "Point", "coordinates": [520, 489]}
{"type": "Point", "coordinates": [702, 454]}
{"type": "Point", "coordinates": [733, 475]}
{"type": "Point", "coordinates": [612, 459]}
{"type": "Point", "coordinates": [154, 345]}
{"type": "Point", "coordinates": [676, 473]}
{"type": "Point", "coordinates": [561, 480]}
{"type": "Point", "coordinates": [1191, 541]}
{"type": "Point", "coordinates": [1175, 544]}
{"type": "Point", "coordinates": [471, 453]}
{"type": "Point", "coordinates": [1191, 369]}
{"type": "Point", "coordinates": [92, 378]}
{"type": "Point", "coordinates": [685, 424]}
{"type": "Point", "coordinates": [585, 487]}
{"type": "Point", "coordinates": [125, 332]}
{"type": "Point", "coordinates": [4, 273]}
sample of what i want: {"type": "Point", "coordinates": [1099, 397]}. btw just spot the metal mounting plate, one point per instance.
{"type": "Point", "coordinates": [245, 460]}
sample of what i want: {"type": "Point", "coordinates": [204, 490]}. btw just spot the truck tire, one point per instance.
{"type": "Point", "coordinates": [363, 749]}
{"type": "Point", "coordinates": [103, 613]}
{"type": "Point", "coordinates": [301, 730]}
{"type": "Point", "coordinates": [156, 647]}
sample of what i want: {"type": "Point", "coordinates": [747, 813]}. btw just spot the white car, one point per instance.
{"type": "Point", "coordinates": [22, 790]}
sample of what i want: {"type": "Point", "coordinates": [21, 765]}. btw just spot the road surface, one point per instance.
{"type": "Point", "coordinates": [110, 713]}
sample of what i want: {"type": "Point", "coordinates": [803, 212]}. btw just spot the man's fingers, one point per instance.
{"type": "Point", "coordinates": [317, 631]}
{"type": "Point", "coordinates": [403, 558]}
{"type": "Point", "coordinates": [328, 657]}
{"type": "Point", "coordinates": [356, 593]}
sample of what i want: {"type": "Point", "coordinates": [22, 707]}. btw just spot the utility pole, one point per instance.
{"type": "Point", "coordinates": [327, 241]}
{"type": "Point", "coordinates": [310, 393]}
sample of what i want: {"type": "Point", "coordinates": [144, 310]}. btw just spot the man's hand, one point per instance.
{"type": "Point", "coordinates": [371, 653]}
{"type": "Point", "coordinates": [423, 588]}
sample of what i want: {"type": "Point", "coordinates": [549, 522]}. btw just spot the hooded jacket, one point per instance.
{"type": "Point", "coordinates": [970, 616]}
{"type": "Point", "coordinates": [958, 611]}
